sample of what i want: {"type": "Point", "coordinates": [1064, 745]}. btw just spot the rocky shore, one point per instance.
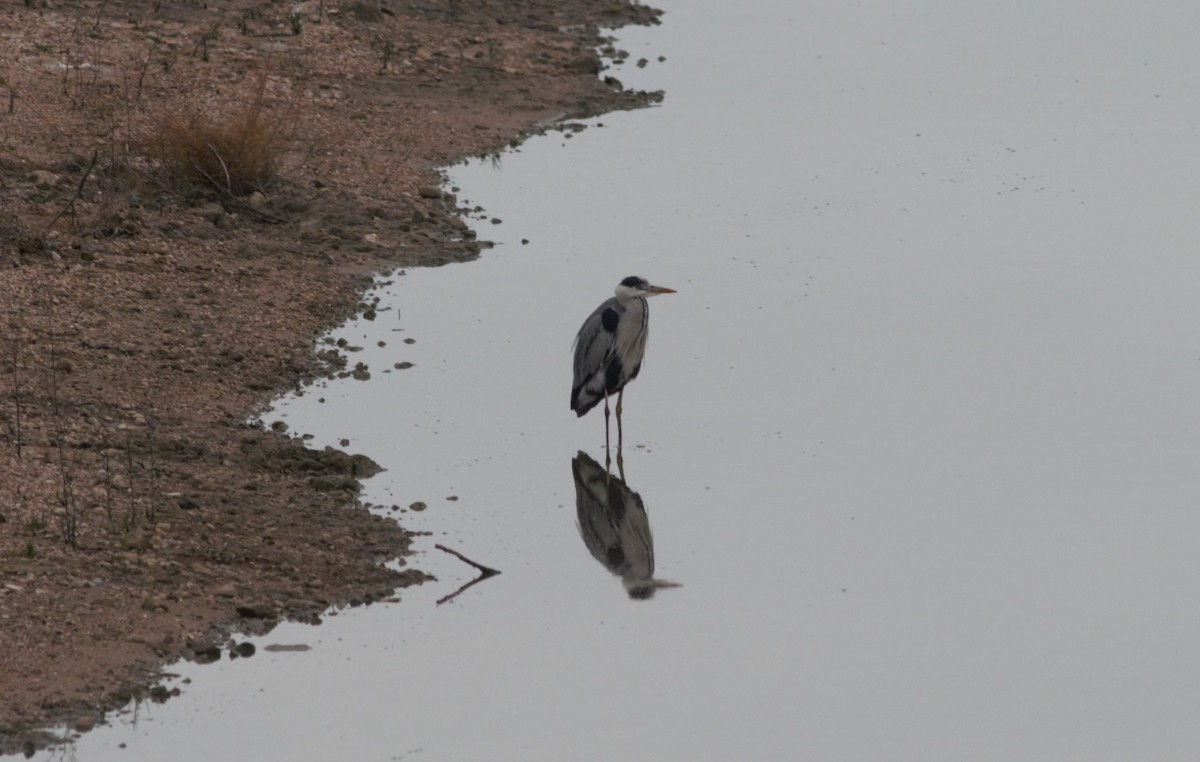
{"type": "Point", "coordinates": [190, 194]}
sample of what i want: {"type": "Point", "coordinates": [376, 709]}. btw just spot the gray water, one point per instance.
{"type": "Point", "coordinates": [917, 438]}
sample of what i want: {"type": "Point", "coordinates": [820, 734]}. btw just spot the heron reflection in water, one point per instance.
{"type": "Point", "coordinates": [615, 528]}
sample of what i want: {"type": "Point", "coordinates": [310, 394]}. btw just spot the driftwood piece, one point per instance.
{"type": "Point", "coordinates": [484, 573]}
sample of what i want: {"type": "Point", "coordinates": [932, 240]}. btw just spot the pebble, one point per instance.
{"type": "Point", "coordinates": [256, 611]}
{"type": "Point", "coordinates": [42, 177]}
{"type": "Point", "coordinates": [136, 540]}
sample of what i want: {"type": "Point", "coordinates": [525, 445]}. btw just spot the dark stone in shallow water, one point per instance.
{"type": "Point", "coordinates": [256, 611]}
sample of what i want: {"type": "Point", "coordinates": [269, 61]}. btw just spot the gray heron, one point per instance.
{"type": "Point", "coordinates": [609, 348]}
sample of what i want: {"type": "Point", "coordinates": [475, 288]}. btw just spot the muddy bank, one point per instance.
{"type": "Point", "coordinates": [189, 195]}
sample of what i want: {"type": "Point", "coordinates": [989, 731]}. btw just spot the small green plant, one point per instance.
{"type": "Point", "coordinates": [30, 550]}
{"type": "Point", "coordinates": [295, 18]}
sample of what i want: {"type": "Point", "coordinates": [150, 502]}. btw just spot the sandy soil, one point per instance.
{"type": "Point", "coordinates": [152, 299]}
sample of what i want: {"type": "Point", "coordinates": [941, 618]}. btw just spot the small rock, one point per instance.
{"type": "Point", "coordinates": [227, 590]}
{"type": "Point", "coordinates": [256, 611]}
{"type": "Point", "coordinates": [244, 649]}
{"type": "Point", "coordinates": [159, 693]}
{"type": "Point", "coordinates": [42, 177]}
{"type": "Point", "coordinates": [429, 191]}
{"type": "Point", "coordinates": [417, 506]}
{"type": "Point", "coordinates": [154, 604]}
{"type": "Point", "coordinates": [136, 540]}
{"type": "Point", "coordinates": [452, 498]}
{"type": "Point", "coordinates": [256, 200]}
{"type": "Point", "coordinates": [85, 722]}
{"type": "Point", "coordinates": [362, 466]}
{"type": "Point", "coordinates": [199, 645]}
{"type": "Point", "coordinates": [186, 503]}
{"type": "Point", "coordinates": [207, 656]}
{"type": "Point", "coordinates": [402, 365]}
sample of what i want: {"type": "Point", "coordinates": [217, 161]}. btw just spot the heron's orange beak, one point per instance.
{"type": "Point", "coordinates": [661, 290]}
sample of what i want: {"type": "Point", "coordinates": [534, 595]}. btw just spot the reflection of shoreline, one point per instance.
{"type": "Point", "coordinates": [614, 526]}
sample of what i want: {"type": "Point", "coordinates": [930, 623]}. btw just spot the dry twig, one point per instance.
{"type": "Point", "coordinates": [484, 573]}
{"type": "Point", "coordinates": [78, 191]}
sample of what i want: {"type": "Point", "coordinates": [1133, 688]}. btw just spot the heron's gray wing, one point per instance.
{"type": "Point", "coordinates": [594, 343]}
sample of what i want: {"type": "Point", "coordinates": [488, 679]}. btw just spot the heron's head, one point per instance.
{"type": "Point", "coordinates": [634, 286]}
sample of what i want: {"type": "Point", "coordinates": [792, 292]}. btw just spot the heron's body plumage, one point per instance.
{"type": "Point", "coordinates": [609, 350]}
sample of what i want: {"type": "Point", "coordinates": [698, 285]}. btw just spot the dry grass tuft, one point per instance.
{"type": "Point", "coordinates": [235, 156]}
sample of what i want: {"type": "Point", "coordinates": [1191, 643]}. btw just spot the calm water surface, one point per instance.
{"type": "Point", "coordinates": [917, 437]}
